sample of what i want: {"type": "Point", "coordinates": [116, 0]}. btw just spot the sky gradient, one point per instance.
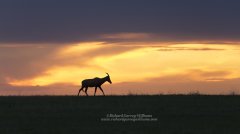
{"type": "Point", "coordinates": [147, 47]}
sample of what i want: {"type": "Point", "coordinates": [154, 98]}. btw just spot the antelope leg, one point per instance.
{"type": "Point", "coordinates": [80, 90]}
{"type": "Point", "coordinates": [95, 91]}
{"type": "Point", "coordinates": [102, 90]}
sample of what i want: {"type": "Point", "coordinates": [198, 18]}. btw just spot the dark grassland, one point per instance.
{"type": "Point", "coordinates": [177, 114]}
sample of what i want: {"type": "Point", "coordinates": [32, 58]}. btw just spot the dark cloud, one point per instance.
{"type": "Point", "coordinates": [62, 21]}
{"type": "Point", "coordinates": [169, 48]}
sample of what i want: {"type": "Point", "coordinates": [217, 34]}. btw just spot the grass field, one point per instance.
{"type": "Point", "coordinates": [176, 114]}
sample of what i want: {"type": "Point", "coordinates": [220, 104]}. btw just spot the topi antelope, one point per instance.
{"type": "Point", "coordinates": [96, 82]}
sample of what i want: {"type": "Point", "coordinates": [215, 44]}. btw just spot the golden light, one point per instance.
{"type": "Point", "coordinates": [140, 64]}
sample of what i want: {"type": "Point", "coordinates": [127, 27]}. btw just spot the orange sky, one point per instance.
{"type": "Point", "coordinates": [147, 47]}
{"type": "Point", "coordinates": [135, 67]}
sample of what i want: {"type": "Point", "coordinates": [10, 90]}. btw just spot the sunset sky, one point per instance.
{"type": "Point", "coordinates": [47, 47]}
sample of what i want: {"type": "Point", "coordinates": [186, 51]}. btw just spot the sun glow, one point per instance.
{"type": "Point", "coordinates": [79, 48]}
{"type": "Point", "coordinates": [196, 60]}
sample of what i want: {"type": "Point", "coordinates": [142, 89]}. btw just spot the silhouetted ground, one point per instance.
{"type": "Point", "coordinates": [176, 114]}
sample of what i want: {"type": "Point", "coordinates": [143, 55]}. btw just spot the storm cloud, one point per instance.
{"type": "Point", "coordinates": [64, 21]}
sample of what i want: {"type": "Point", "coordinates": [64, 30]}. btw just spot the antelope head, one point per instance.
{"type": "Point", "coordinates": [108, 78]}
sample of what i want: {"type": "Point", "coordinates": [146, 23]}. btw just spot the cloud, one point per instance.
{"type": "Point", "coordinates": [64, 21]}
{"type": "Point", "coordinates": [169, 48]}
{"type": "Point", "coordinates": [38, 65]}
{"type": "Point", "coordinates": [123, 37]}
{"type": "Point", "coordinates": [25, 61]}
{"type": "Point", "coordinates": [83, 53]}
{"type": "Point", "coordinates": [29, 62]}
{"type": "Point", "coordinates": [192, 75]}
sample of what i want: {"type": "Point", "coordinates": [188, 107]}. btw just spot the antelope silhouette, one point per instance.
{"type": "Point", "coordinates": [96, 82]}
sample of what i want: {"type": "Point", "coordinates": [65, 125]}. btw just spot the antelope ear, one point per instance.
{"type": "Point", "coordinates": [107, 74]}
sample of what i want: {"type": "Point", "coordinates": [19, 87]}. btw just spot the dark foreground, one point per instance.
{"type": "Point", "coordinates": [71, 115]}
